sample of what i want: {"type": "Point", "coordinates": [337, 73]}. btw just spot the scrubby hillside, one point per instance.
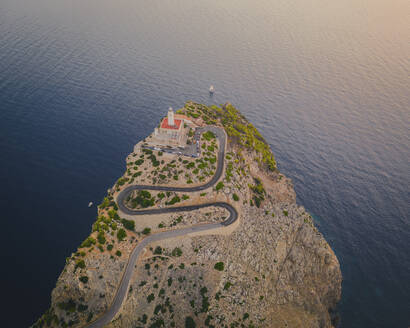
{"type": "Point", "coordinates": [271, 268]}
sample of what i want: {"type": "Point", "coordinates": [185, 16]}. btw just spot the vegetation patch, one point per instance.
{"type": "Point", "coordinates": [79, 264]}
{"type": "Point", "coordinates": [176, 252]}
{"type": "Point", "coordinates": [128, 224]}
{"type": "Point", "coordinates": [88, 242]}
{"type": "Point", "coordinates": [121, 234]}
{"type": "Point", "coordinates": [219, 186]}
{"type": "Point", "coordinates": [219, 266]}
{"type": "Point", "coordinates": [189, 322]}
{"type": "Point", "coordinates": [208, 135]}
{"type": "Point", "coordinates": [68, 306]}
{"type": "Point", "coordinates": [238, 129]}
{"type": "Point", "coordinates": [142, 199]}
{"type": "Point", "coordinates": [84, 279]}
{"type": "Point", "coordinates": [174, 200]}
{"type": "Point", "coordinates": [258, 192]}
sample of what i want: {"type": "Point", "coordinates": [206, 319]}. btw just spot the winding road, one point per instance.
{"type": "Point", "coordinates": [122, 290]}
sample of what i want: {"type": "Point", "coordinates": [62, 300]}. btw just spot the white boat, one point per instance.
{"type": "Point", "coordinates": [90, 204]}
{"type": "Point", "coordinates": [211, 89]}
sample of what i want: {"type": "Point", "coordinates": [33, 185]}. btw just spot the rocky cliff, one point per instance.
{"type": "Point", "coordinates": [272, 268]}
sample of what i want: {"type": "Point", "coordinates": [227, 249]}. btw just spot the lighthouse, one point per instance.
{"type": "Point", "coordinates": [171, 121]}
{"type": "Point", "coordinates": [172, 130]}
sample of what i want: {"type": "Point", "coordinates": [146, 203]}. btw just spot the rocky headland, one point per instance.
{"type": "Point", "coordinates": [269, 268]}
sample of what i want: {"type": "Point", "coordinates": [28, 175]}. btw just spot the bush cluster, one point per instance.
{"type": "Point", "coordinates": [219, 266]}
{"type": "Point", "coordinates": [143, 199]}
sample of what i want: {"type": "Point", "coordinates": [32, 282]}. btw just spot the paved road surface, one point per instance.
{"type": "Point", "coordinates": [233, 215]}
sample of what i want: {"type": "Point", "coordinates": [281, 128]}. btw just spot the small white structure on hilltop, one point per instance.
{"type": "Point", "coordinates": [171, 121]}
{"type": "Point", "coordinates": [171, 131]}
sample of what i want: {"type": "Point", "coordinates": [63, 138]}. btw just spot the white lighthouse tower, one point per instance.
{"type": "Point", "coordinates": [171, 121]}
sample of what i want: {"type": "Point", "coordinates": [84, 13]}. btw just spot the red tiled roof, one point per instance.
{"type": "Point", "coordinates": [165, 125]}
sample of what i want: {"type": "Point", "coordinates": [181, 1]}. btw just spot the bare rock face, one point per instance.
{"type": "Point", "coordinates": [278, 270]}
{"type": "Point", "coordinates": [273, 268]}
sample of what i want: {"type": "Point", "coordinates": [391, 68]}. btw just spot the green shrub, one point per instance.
{"type": "Point", "coordinates": [88, 242]}
{"type": "Point", "coordinates": [137, 174]}
{"type": "Point", "coordinates": [258, 201]}
{"type": "Point", "coordinates": [189, 322]}
{"type": "Point", "coordinates": [128, 224]}
{"type": "Point", "coordinates": [105, 203]}
{"type": "Point", "coordinates": [219, 186]}
{"type": "Point", "coordinates": [235, 197]}
{"type": "Point", "coordinates": [101, 237]}
{"type": "Point", "coordinates": [84, 279]}
{"type": "Point", "coordinates": [143, 319]}
{"type": "Point", "coordinates": [68, 306]}
{"type": "Point", "coordinates": [118, 253]}
{"type": "Point", "coordinates": [110, 247]}
{"type": "Point", "coordinates": [113, 214]}
{"type": "Point", "coordinates": [121, 181]}
{"type": "Point", "coordinates": [219, 266]}
{"type": "Point", "coordinates": [143, 199]}
{"type": "Point", "coordinates": [176, 252]}
{"type": "Point", "coordinates": [146, 231]}
{"type": "Point", "coordinates": [158, 250]}
{"type": "Point", "coordinates": [227, 285]}
{"type": "Point", "coordinates": [185, 197]}
{"type": "Point", "coordinates": [90, 316]}
{"type": "Point", "coordinates": [121, 234]}
{"type": "Point", "coordinates": [208, 135]}
{"type": "Point", "coordinates": [80, 264]}
{"type": "Point", "coordinates": [174, 200]}
{"type": "Point", "coordinates": [285, 213]}
{"type": "Point", "coordinates": [150, 298]}
{"type": "Point", "coordinates": [82, 307]}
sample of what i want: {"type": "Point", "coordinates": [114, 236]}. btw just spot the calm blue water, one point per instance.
{"type": "Point", "coordinates": [327, 84]}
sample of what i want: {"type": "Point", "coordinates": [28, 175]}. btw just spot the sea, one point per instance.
{"type": "Point", "coordinates": [327, 83]}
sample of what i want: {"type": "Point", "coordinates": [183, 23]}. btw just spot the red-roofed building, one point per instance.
{"type": "Point", "coordinates": [171, 130]}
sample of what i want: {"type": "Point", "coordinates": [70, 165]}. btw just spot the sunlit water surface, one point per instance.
{"type": "Point", "coordinates": [327, 83]}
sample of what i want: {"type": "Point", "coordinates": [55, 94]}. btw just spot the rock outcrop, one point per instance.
{"type": "Point", "coordinates": [272, 268]}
